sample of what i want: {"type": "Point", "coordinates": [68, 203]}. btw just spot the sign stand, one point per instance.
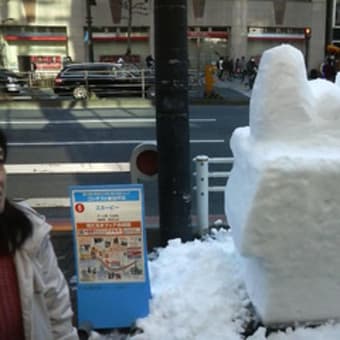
{"type": "Point", "coordinates": [110, 252]}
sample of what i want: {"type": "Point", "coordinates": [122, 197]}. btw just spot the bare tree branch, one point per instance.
{"type": "Point", "coordinates": [133, 7]}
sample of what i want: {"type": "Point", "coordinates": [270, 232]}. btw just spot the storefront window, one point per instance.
{"type": "Point", "coordinates": [337, 13]}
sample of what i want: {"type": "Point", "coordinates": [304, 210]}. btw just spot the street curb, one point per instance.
{"type": "Point", "coordinates": [33, 101]}
{"type": "Point", "coordinates": [219, 101]}
{"type": "Point", "coordinates": [75, 104]}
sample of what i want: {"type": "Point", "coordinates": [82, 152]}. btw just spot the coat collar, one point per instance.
{"type": "Point", "coordinates": [40, 229]}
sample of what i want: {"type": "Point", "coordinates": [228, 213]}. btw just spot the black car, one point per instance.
{"type": "Point", "coordinates": [103, 79]}
{"type": "Point", "coordinates": [10, 82]}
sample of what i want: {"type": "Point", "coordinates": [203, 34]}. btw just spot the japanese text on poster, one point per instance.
{"type": "Point", "coordinates": [109, 235]}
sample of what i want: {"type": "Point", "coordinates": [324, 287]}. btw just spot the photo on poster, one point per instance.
{"type": "Point", "coordinates": [109, 235]}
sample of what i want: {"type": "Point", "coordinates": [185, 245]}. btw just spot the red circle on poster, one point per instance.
{"type": "Point", "coordinates": [79, 207]}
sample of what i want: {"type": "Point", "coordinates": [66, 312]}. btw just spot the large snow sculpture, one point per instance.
{"type": "Point", "coordinates": [282, 199]}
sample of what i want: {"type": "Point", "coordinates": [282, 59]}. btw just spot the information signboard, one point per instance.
{"type": "Point", "coordinates": [110, 253]}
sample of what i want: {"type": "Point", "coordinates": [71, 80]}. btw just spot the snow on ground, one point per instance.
{"type": "Point", "coordinates": [198, 294]}
{"type": "Point", "coordinates": [197, 289]}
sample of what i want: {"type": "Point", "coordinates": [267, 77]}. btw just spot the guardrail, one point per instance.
{"type": "Point", "coordinates": [38, 79]}
{"type": "Point", "coordinates": [45, 79]}
{"type": "Point", "coordinates": [118, 81]}
{"type": "Point", "coordinates": [202, 175]}
{"type": "Point", "coordinates": [60, 168]}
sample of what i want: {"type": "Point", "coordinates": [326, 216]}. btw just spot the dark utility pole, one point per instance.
{"type": "Point", "coordinates": [89, 3]}
{"type": "Point", "coordinates": [172, 119]}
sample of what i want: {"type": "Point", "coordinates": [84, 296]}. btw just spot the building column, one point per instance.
{"type": "Point", "coordinates": [152, 28]}
{"type": "Point", "coordinates": [317, 42]}
{"type": "Point", "coordinates": [239, 29]}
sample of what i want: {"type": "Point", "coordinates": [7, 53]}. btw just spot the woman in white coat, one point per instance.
{"type": "Point", "coordinates": [34, 296]}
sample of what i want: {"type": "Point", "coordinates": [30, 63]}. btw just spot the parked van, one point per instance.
{"type": "Point", "coordinates": [104, 79]}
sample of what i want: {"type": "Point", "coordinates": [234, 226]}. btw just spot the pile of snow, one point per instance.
{"type": "Point", "coordinates": [283, 195]}
{"type": "Point", "coordinates": [196, 288]}
{"type": "Point", "coordinates": [198, 294]}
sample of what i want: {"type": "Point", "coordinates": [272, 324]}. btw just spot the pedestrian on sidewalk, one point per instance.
{"type": "Point", "coordinates": [237, 68]}
{"type": "Point", "coordinates": [243, 68]}
{"type": "Point", "coordinates": [329, 68]}
{"type": "Point", "coordinates": [34, 296]}
{"type": "Point", "coordinates": [150, 61]}
{"type": "Point", "coordinates": [220, 68]}
{"type": "Point", "coordinates": [230, 67]}
{"type": "Point", "coordinates": [252, 72]}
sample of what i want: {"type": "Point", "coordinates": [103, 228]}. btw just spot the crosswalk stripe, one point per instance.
{"type": "Point", "coordinates": [69, 168]}
{"type": "Point", "coordinates": [104, 142]}
{"type": "Point", "coordinates": [94, 121]}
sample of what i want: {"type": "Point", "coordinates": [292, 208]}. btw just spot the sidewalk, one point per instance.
{"type": "Point", "coordinates": [36, 98]}
{"type": "Point", "coordinates": [225, 87]}
{"type": "Point", "coordinates": [44, 98]}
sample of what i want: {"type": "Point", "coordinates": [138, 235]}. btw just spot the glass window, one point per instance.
{"type": "Point", "coordinates": [337, 13]}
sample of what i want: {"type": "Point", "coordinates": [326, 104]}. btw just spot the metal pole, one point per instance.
{"type": "Point", "coordinates": [307, 40]}
{"type": "Point", "coordinates": [172, 121]}
{"type": "Point", "coordinates": [143, 82]}
{"type": "Point", "coordinates": [89, 31]}
{"type": "Point", "coordinates": [202, 192]}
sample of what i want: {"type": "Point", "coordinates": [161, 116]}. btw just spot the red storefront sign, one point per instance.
{"type": "Point", "coordinates": [46, 62]}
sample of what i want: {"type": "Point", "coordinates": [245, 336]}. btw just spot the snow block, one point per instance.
{"type": "Point", "coordinates": [283, 196]}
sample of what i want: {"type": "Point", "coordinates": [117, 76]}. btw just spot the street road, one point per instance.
{"type": "Point", "coordinates": [103, 135]}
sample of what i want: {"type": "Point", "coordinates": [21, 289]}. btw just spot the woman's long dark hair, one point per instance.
{"type": "Point", "coordinates": [15, 226]}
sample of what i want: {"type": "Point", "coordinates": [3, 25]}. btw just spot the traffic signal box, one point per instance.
{"type": "Point", "coordinates": [144, 163]}
{"type": "Point", "coordinates": [307, 32]}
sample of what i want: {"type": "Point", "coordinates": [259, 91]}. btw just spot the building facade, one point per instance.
{"type": "Point", "coordinates": [44, 32]}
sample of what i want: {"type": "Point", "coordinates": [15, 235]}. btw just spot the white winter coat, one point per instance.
{"type": "Point", "coordinates": [44, 294]}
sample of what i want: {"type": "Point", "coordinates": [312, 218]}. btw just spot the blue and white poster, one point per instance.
{"type": "Point", "coordinates": [110, 251]}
